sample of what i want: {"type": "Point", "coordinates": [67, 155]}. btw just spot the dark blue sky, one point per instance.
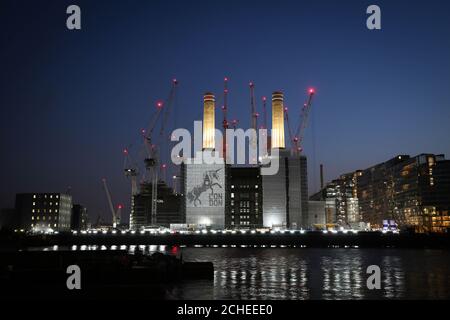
{"type": "Point", "coordinates": [70, 101]}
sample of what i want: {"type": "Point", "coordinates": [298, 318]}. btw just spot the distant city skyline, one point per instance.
{"type": "Point", "coordinates": [73, 100]}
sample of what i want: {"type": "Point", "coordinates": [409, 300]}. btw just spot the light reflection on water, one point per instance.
{"type": "Point", "coordinates": [299, 273]}
{"type": "Point", "coordinates": [279, 273]}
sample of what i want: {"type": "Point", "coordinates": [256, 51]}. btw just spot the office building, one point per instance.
{"type": "Point", "coordinates": [44, 211]}
{"type": "Point", "coordinates": [414, 192]}
{"type": "Point", "coordinates": [341, 201]}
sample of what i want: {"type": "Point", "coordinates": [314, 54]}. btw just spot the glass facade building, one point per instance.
{"type": "Point", "coordinates": [412, 191]}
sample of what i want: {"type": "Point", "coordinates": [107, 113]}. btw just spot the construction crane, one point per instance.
{"type": "Point", "coordinates": [164, 139]}
{"type": "Point", "coordinates": [152, 160]}
{"type": "Point", "coordinates": [254, 115]}
{"type": "Point", "coordinates": [131, 171]}
{"type": "Point", "coordinates": [264, 103]}
{"type": "Point", "coordinates": [254, 118]}
{"type": "Point", "coordinates": [297, 139]}
{"type": "Point", "coordinates": [225, 123]}
{"type": "Point", "coordinates": [116, 215]}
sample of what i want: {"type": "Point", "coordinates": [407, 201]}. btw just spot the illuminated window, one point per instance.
{"type": "Point", "coordinates": [34, 203]}
{"type": "Point", "coordinates": [232, 195]}
{"type": "Point", "coordinates": [34, 196]}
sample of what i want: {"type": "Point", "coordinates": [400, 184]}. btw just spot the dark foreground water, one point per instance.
{"type": "Point", "coordinates": [290, 273]}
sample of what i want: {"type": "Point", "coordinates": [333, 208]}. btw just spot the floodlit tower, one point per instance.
{"type": "Point", "coordinates": [277, 121]}
{"type": "Point", "coordinates": [208, 121]}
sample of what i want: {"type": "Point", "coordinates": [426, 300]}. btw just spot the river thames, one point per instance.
{"type": "Point", "coordinates": [307, 273]}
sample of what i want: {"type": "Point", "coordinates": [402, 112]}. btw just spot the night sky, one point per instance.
{"type": "Point", "coordinates": [72, 100]}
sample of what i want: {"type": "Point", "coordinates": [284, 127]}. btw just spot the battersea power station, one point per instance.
{"type": "Point", "coordinates": [223, 195]}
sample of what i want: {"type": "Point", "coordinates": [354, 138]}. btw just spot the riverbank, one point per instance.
{"type": "Point", "coordinates": [18, 241]}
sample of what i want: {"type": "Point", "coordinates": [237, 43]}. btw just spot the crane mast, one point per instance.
{"type": "Point", "coordinates": [131, 171]}
{"type": "Point", "coordinates": [115, 215]}
{"type": "Point", "coordinates": [225, 123]}
{"type": "Point", "coordinates": [151, 160]}
{"type": "Point", "coordinates": [264, 100]}
{"type": "Point", "coordinates": [254, 116]}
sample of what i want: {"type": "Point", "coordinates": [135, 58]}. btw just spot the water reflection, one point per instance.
{"type": "Point", "coordinates": [299, 273]}
{"type": "Point", "coordinates": [258, 273]}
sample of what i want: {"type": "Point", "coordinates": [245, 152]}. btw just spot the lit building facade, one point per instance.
{"type": "Point", "coordinates": [412, 191]}
{"type": "Point", "coordinates": [277, 121]}
{"type": "Point", "coordinates": [208, 121]}
{"type": "Point", "coordinates": [244, 198]}
{"type": "Point", "coordinates": [285, 194]}
{"type": "Point", "coordinates": [204, 195]}
{"type": "Point", "coordinates": [44, 211]}
{"type": "Point", "coordinates": [341, 201]}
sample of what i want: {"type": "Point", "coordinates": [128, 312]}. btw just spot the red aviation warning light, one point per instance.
{"type": "Point", "coordinates": [159, 104]}
{"type": "Point", "coordinates": [311, 91]}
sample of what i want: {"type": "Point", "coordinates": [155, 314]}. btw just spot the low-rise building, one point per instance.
{"type": "Point", "coordinates": [44, 211]}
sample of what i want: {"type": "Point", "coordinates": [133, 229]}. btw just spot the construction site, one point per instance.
{"type": "Point", "coordinates": [196, 196]}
